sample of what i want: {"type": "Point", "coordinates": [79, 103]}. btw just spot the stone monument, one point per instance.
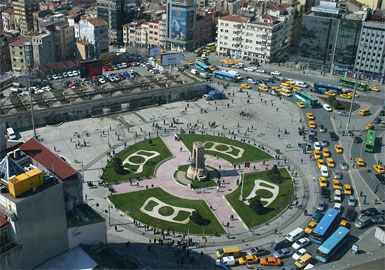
{"type": "Point", "coordinates": [197, 169]}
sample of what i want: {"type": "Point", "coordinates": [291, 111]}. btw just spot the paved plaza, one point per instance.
{"type": "Point", "coordinates": [257, 118]}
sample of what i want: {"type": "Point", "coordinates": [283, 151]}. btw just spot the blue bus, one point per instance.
{"type": "Point", "coordinates": [202, 67]}
{"type": "Point", "coordinates": [226, 76]}
{"type": "Point", "coordinates": [331, 245]}
{"type": "Point", "coordinates": [326, 225]}
{"type": "Point", "coordinates": [306, 99]}
{"type": "Point", "coordinates": [323, 87]}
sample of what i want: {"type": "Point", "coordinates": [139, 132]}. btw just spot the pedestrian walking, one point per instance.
{"type": "Point", "coordinates": [275, 230]}
{"type": "Point", "coordinates": [116, 228]}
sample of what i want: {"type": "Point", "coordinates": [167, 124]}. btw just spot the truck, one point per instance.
{"type": "Point", "coordinates": [25, 182]}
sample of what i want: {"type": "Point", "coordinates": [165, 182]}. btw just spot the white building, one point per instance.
{"type": "Point", "coordinates": [262, 40]}
{"type": "Point", "coordinates": [94, 31]}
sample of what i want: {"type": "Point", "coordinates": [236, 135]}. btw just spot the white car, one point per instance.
{"type": "Point", "coordinates": [301, 243]}
{"type": "Point", "coordinates": [249, 69]}
{"type": "Point", "coordinates": [298, 254]}
{"type": "Point", "coordinates": [317, 146]}
{"type": "Point", "coordinates": [260, 70]}
{"type": "Point", "coordinates": [327, 108]}
{"type": "Point", "coordinates": [337, 195]}
{"type": "Point", "coordinates": [337, 206]}
{"type": "Point", "coordinates": [70, 73]}
{"type": "Point", "coordinates": [275, 73]}
{"type": "Point", "coordinates": [101, 80]}
{"type": "Point", "coordinates": [75, 73]}
{"type": "Point", "coordinates": [251, 81]}
{"type": "Point", "coordinates": [229, 261]}
{"type": "Point", "coordinates": [324, 171]}
{"type": "Point", "coordinates": [55, 77]}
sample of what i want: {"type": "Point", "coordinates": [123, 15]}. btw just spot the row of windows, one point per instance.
{"type": "Point", "coordinates": [371, 41]}
{"type": "Point", "coordinates": [366, 34]}
{"type": "Point", "coordinates": [370, 53]}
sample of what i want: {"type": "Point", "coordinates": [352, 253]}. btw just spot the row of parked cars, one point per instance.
{"type": "Point", "coordinates": [65, 74]}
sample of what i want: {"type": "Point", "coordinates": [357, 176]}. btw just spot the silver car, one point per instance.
{"type": "Point", "coordinates": [337, 174]}
{"type": "Point", "coordinates": [344, 165]}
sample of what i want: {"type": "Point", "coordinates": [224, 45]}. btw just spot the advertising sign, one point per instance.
{"type": "Point", "coordinates": [155, 51]}
{"type": "Point", "coordinates": [171, 59]}
{"type": "Point", "coordinates": [178, 24]}
{"type": "Point", "coordinates": [90, 68]}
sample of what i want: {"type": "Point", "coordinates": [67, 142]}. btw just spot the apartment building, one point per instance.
{"type": "Point", "coordinates": [23, 18]}
{"type": "Point", "coordinates": [153, 34]}
{"type": "Point", "coordinates": [163, 32]}
{"type": "Point", "coordinates": [64, 40]}
{"type": "Point", "coordinates": [263, 40]}
{"type": "Point", "coordinates": [370, 59]}
{"type": "Point", "coordinates": [141, 34]}
{"type": "Point", "coordinates": [94, 31]}
{"type": "Point", "coordinates": [204, 28]}
{"type": "Point", "coordinates": [21, 53]}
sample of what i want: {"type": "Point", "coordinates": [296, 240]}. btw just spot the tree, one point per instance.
{"type": "Point", "coordinates": [118, 166]}
{"type": "Point", "coordinates": [198, 219]}
{"type": "Point", "coordinates": [275, 175]}
{"type": "Point", "coordinates": [256, 205]}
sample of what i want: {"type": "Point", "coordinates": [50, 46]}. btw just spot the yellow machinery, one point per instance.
{"type": "Point", "coordinates": [25, 182]}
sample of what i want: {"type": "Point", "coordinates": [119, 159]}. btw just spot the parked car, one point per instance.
{"type": "Point", "coordinates": [343, 113]}
{"type": "Point", "coordinates": [369, 212]}
{"type": "Point", "coordinates": [259, 251]}
{"type": "Point", "coordinates": [283, 253]}
{"type": "Point", "coordinates": [260, 70]}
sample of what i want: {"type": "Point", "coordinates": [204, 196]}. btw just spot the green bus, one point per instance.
{"type": "Point", "coordinates": [370, 141]}
{"type": "Point", "coordinates": [352, 83]}
{"type": "Point", "coordinates": [306, 99]}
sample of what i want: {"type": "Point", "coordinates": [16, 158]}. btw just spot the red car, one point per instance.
{"type": "Point", "coordinates": [247, 77]}
{"type": "Point", "coordinates": [128, 64]}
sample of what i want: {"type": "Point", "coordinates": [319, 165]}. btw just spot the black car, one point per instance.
{"type": "Point", "coordinates": [377, 120]}
{"type": "Point", "coordinates": [369, 212]}
{"type": "Point", "coordinates": [357, 139]}
{"type": "Point", "coordinates": [351, 214]}
{"type": "Point", "coordinates": [382, 113]}
{"type": "Point", "coordinates": [185, 67]}
{"type": "Point", "coordinates": [333, 136]}
{"type": "Point", "coordinates": [380, 178]}
{"type": "Point", "coordinates": [253, 63]}
{"type": "Point", "coordinates": [325, 193]}
{"type": "Point", "coordinates": [277, 245]}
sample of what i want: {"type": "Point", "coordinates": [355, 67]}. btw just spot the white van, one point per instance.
{"type": "Point", "coordinates": [194, 71]}
{"type": "Point", "coordinates": [233, 72]}
{"type": "Point", "coordinates": [294, 235]}
{"type": "Point", "coordinates": [11, 134]}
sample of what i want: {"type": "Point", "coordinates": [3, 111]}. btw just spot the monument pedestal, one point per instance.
{"type": "Point", "coordinates": [197, 170]}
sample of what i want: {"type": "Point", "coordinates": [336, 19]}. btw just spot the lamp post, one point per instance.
{"type": "Point", "coordinates": [363, 46]}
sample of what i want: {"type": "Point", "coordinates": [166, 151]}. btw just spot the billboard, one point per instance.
{"type": "Point", "coordinates": [178, 24]}
{"type": "Point", "coordinates": [90, 68]}
{"type": "Point", "coordinates": [155, 51]}
{"type": "Point", "coordinates": [171, 59]}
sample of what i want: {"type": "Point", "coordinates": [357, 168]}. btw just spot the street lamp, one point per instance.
{"type": "Point", "coordinates": [363, 46]}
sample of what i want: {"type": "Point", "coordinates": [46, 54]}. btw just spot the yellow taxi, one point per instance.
{"type": "Point", "coordinates": [212, 68]}
{"type": "Point", "coordinates": [330, 162]}
{"type": "Point", "coordinates": [320, 162]}
{"type": "Point", "coordinates": [317, 154]}
{"type": "Point", "coordinates": [191, 62]}
{"type": "Point", "coordinates": [375, 89]}
{"type": "Point", "coordinates": [310, 116]}
{"type": "Point", "coordinates": [323, 182]}
{"type": "Point", "coordinates": [223, 60]}
{"type": "Point", "coordinates": [301, 105]}
{"type": "Point", "coordinates": [360, 162]}
{"type": "Point", "coordinates": [337, 184]}
{"type": "Point", "coordinates": [346, 96]}
{"type": "Point", "coordinates": [312, 124]}
{"type": "Point", "coordinates": [245, 85]}
{"type": "Point", "coordinates": [330, 93]}
{"type": "Point", "coordinates": [378, 168]}
{"type": "Point", "coordinates": [369, 127]}
{"type": "Point", "coordinates": [263, 88]}
{"type": "Point", "coordinates": [326, 152]}
{"type": "Point", "coordinates": [347, 189]}
{"type": "Point", "coordinates": [344, 223]}
{"type": "Point", "coordinates": [364, 112]}
{"type": "Point", "coordinates": [339, 149]}
{"type": "Point", "coordinates": [197, 60]}
{"type": "Point", "coordinates": [310, 227]}
{"type": "Point", "coordinates": [351, 94]}
{"type": "Point", "coordinates": [248, 259]}
{"type": "Point", "coordinates": [275, 87]}
{"type": "Point", "coordinates": [295, 88]}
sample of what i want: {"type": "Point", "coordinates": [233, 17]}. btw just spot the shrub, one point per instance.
{"type": "Point", "coordinates": [118, 166]}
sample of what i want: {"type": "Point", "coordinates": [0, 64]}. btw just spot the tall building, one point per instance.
{"type": "Point", "coordinates": [329, 38]}
{"type": "Point", "coordinates": [64, 40]}
{"type": "Point", "coordinates": [112, 12]}
{"type": "Point", "coordinates": [264, 40]}
{"type": "Point", "coordinates": [23, 14]}
{"type": "Point", "coordinates": [370, 60]}
{"type": "Point", "coordinates": [43, 49]}
{"type": "Point", "coordinates": [180, 24]}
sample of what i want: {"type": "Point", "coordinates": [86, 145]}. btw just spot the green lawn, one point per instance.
{"type": "Point", "coordinates": [250, 153]}
{"type": "Point", "coordinates": [157, 144]}
{"type": "Point", "coordinates": [133, 201]}
{"type": "Point", "coordinates": [251, 219]}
